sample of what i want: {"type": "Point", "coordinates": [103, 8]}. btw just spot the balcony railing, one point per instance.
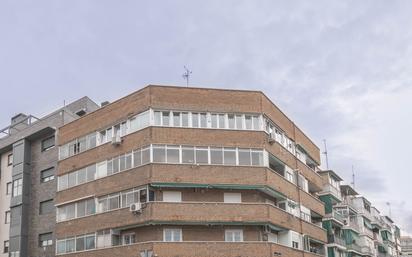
{"type": "Point", "coordinates": [354, 247]}
{"type": "Point", "coordinates": [335, 215]}
{"type": "Point", "coordinates": [367, 250]}
{"type": "Point", "coordinates": [334, 239]}
{"type": "Point", "coordinates": [352, 224]}
{"type": "Point", "coordinates": [333, 190]}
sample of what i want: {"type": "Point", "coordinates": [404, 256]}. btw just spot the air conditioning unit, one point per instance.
{"type": "Point", "coordinates": [136, 207]}
{"type": "Point", "coordinates": [116, 140]}
{"type": "Point", "coordinates": [272, 138]}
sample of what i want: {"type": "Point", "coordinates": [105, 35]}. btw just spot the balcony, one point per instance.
{"type": "Point", "coordinates": [352, 224]}
{"type": "Point", "coordinates": [354, 247]}
{"type": "Point", "coordinates": [366, 250]}
{"type": "Point", "coordinates": [189, 249]}
{"type": "Point", "coordinates": [335, 215]}
{"type": "Point", "coordinates": [329, 189]}
{"type": "Point", "coordinates": [334, 239]}
{"type": "Point", "coordinates": [194, 213]}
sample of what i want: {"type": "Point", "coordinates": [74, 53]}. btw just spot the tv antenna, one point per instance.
{"type": "Point", "coordinates": [326, 154]}
{"type": "Point", "coordinates": [186, 75]}
{"type": "Point", "coordinates": [390, 209]}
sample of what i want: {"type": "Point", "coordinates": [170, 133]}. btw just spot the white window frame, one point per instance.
{"type": "Point", "coordinates": [173, 235]}
{"type": "Point", "coordinates": [230, 235]}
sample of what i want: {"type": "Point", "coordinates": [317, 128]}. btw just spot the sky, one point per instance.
{"type": "Point", "coordinates": [341, 70]}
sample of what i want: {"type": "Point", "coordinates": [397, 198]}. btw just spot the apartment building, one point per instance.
{"type": "Point", "coordinates": [406, 245]}
{"type": "Point", "coordinates": [28, 163]}
{"type": "Point", "coordinates": [355, 228]}
{"type": "Point", "coordinates": [172, 171]}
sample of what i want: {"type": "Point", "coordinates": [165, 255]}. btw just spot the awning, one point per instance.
{"type": "Point", "coordinates": [265, 189]}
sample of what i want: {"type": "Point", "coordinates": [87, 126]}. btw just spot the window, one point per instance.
{"type": "Point", "coordinates": [47, 143]}
{"type": "Point", "coordinates": [216, 155]}
{"type": "Point", "coordinates": [202, 155]}
{"type": "Point", "coordinates": [185, 119]}
{"type": "Point", "coordinates": [63, 182]}
{"type": "Point", "coordinates": [104, 238]}
{"type": "Point", "coordinates": [8, 188]}
{"type": "Point", "coordinates": [47, 175]}
{"type": "Point", "coordinates": [232, 197]}
{"type": "Point", "coordinates": [188, 155]}
{"type": "Point", "coordinates": [45, 239]}
{"type": "Point", "coordinates": [234, 235]}
{"type": "Point", "coordinates": [17, 187]}
{"type": "Point", "coordinates": [129, 238]}
{"type": "Point", "coordinates": [231, 119]}
{"type": "Point", "coordinates": [10, 160]}
{"type": "Point", "coordinates": [46, 207]}
{"type": "Point", "coordinates": [229, 155]}
{"type": "Point", "coordinates": [244, 157]}
{"type": "Point", "coordinates": [7, 217]}
{"type": "Point", "coordinates": [239, 122]}
{"type": "Point", "coordinates": [173, 154]}
{"type": "Point", "coordinates": [172, 235]}
{"type": "Point", "coordinates": [176, 119]}
{"type": "Point", "coordinates": [6, 247]}
{"type": "Point", "coordinates": [295, 244]}
{"type": "Point", "coordinates": [172, 196]}
{"type": "Point", "coordinates": [248, 122]}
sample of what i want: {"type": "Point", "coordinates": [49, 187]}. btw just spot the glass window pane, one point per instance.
{"type": "Point", "coordinates": [159, 154]}
{"type": "Point", "coordinates": [216, 155]}
{"type": "Point", "coordinates": [231, 119]}
{"type": "Point", "coordinates": [114, 202]}
{"type": "Point", "coordinates": [248, 121]}
{"type": "Point", "coordinates": [63, 182]}
{"type": "Point", "coordinates": [256, 122]}
{"type": "Point", "coordinates": [61, 246]}
{"type": "Point", "coordinates": [145, 155]}
{"type": "Point", "coordinates": [90, 206]}
{"type": "Point", "coordinates": [80, 243]}
{"type": "Point", "coordinates": [244, 157]}
{"type": "Point", "coordinates": [202, 156]}
{"type": "Point", "coordinates": [70, 211]}
{"type": "Point", "coordinates": [81, 209]}
{"type": "Point", "coordinates": [122, 160]}
{"type": "Point", "coordinates": [116, 165]}
{"type": "Point", "coordinates": [81, 176]}
{"type": "Point", "coordinates": [128, 161]}
{"type": "Point", "coordinates": [176, 119]}
{"type": "Point", "coordinates": [157, 118]}
{"type": "Point", "coordinates": [185, 119]}
{"type": "Point", "coordinates": [188, 155]}
{"type": "Point", "coordinates": [137, 158]}
{"type": "Point", "coordinates": [165, 118]}
{"type": "Point", "coordinates": [172, 154]}
{"type": "Point", "coordinates": [195, 120]}
{"type": "Point", "coordinates": [229, 156]}
{"type": "Point", "coordinates": [91, 140]}
{"type": "Point", "coordinates": [213, 118]}
{"type": "Point", "coordinates": [91, 172]}
{"type": "Point", "coordinates": [257, 158]}
{"type": "Point", "coordinates": [222, 121]}
{"type": "Point", "coordinates": [239, 122]}
{"type": "Point", "coordinates": [101, 169]}
{"type": "Point", "coordinates": [72, 179]}
{"type": "Point", "coordinates": [203, 120]}
{"type": "Point", "coordinates": [90, 242]}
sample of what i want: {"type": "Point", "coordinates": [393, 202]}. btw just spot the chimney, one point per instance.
{"type": "Point", "coordinates": [104, 103]}
{"type": "Point", "coordinates": [18, 123]}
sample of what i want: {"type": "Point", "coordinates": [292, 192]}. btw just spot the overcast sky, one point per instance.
{"type": "Point", "coordinates": [342, 70]}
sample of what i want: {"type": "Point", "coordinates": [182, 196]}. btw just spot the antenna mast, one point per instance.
{"type": "Point", "coordinates": [186, 75]}
{"type": "Point", "coordinates": [326, 154]}
{"type": "Point", "coordinates": [353, 178]}
{"type": "Point", "coordinates": [390, 209]}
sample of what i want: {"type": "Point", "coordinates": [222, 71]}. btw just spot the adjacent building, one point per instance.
{"type": "Point", "coordinates": [355, 228]}
{"type": "Point", "coordinates": [406, 245]}
{"type": "Point", "coordinates": [28, 162]}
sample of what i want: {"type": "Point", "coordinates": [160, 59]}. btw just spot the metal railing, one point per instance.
{"type": "Point", "coordinates": [333, 190]}
{"type": "Point", "coordinates": [354, 247]}
{"type": "Point", "coordinates": [335, 215]}
{"type": "Point", "coordinates": [334, 239]}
